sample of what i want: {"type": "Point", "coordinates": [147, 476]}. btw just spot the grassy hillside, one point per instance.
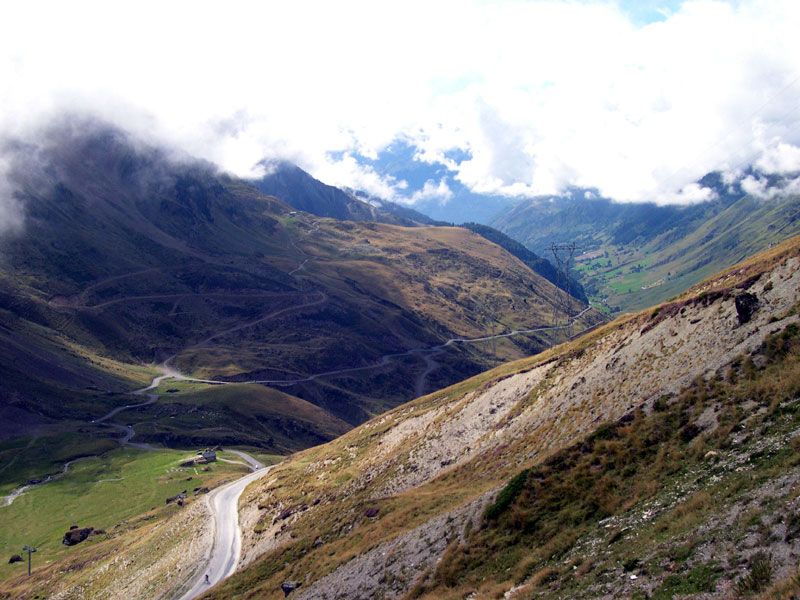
{"type": "Point", "coordinates": [659, 447]}
{"type": "Point", "coordinates": [536, 263]}
{"type": "Point", "coordinates": [102, 492]}
{"type": "Point", "coordinates": [141, 543]}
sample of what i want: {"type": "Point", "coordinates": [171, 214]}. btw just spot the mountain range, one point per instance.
{"type": "Point", "coordinates": [297, 188]}
{"type": "Point", "coordinates": [133, 259]}
{"type": "Point", "coordinates": [446, 421]}
{"type": "Point", "coordinates": [303, 192]}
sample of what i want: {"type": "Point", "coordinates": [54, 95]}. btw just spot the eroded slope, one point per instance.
{"type": "Point", "coordinates": [374, 512]}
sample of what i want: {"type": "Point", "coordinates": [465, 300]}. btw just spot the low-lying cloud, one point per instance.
{"type": "Point", "coordinates": [539, 95]}
{"type": "Point", "coordinates": [761, 187]}
{"type": "Point", "coordinates": [11, 211]}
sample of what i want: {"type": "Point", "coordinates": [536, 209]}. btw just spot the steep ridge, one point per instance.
{"type": "Point", "coordinates": [410, 503]}
{"type": "Point", "coordinates": [300, 190]}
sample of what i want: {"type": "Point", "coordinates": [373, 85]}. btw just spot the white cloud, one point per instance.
{"type": "Point", "coordinates": [543, 94]}
{"type": "Point", "coordinates": [757, 187]}
{"type": "Point", "coordinates": [347, 172]}
{"type": "Point", "coordinates": [433, 191]}
{"type": "Point", "coordinates": [780, 158]}
{"type": "Point", "coordinates": [761, 188]}
{"type": "Point", "coordinates": [691, 193]}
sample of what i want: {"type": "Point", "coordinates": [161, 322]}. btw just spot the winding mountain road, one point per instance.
{"type": "Point", "coordinates": [426, 354]}
{"type": "Point", "coordinates": [127, 430]}
{"type": "Point", "coordinates": [223, 502]}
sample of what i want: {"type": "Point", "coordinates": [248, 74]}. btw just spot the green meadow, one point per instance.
{"type": "Point", "coordinates": [100, 492]}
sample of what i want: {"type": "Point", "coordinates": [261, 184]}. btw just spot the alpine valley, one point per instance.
{"type": "Point", "coordinates": [440, 419]}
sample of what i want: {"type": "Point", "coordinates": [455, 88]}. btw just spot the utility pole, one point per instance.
{"type": "Point", "coordinates": [29, 550]}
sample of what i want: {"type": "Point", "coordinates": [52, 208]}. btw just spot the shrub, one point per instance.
{"type": "Point", "coordinates": [507, 495]}
{"type": "Point", "coordinates": [759, 575]}
{"type": "Point", "coordinates": [700, 579]}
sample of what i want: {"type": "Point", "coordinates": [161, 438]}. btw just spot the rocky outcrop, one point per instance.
{"type": "Point", "coordinates": [746, 306]}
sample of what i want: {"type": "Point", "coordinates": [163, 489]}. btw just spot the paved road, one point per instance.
{"type": "Point", "coordinates": [127, 430]}
{"type": "Point", "coordinates": [255, 464]}
{"type": "Point", "coordinates": [225, 554]}
{"type": "Point", "coordinates": [168, 374]}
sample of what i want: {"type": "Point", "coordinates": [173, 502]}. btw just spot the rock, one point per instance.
{"type": "Point", "coordinates": [201, 490]}
{"type": "Point", "coordinates": [288, 587]}
{"type": "Point", "coordinates": [372, 512]}
{"type": "Point", "coordinates": [14, 558]}
{"type": "Point", "coordinates": [288, 512]}
{"type": "Point", "coordinates": [746, 306]}
{"type": "Point", "coordinates": [188, 463]}
{"type": "Point", "coordinates": [76, 536]}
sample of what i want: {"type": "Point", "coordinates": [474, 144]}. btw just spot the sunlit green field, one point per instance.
{"type": "Point", "coordinates": [100, 492]}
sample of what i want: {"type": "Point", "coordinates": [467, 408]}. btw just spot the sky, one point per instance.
{"type": "Point", "coordinates": [634, 99]}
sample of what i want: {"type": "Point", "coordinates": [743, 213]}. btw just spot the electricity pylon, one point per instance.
{"type": "Point", "coordinates": [563, 254]}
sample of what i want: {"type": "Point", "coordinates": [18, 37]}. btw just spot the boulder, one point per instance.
{"type": "Point", "coordinates": [746, 306]}
{"type": "Point", "coordinates": [14, 558]}
{"type": "Point", "coordinates": [288, 587]}
{"type": "Point", "coordinates": [76, 536]}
